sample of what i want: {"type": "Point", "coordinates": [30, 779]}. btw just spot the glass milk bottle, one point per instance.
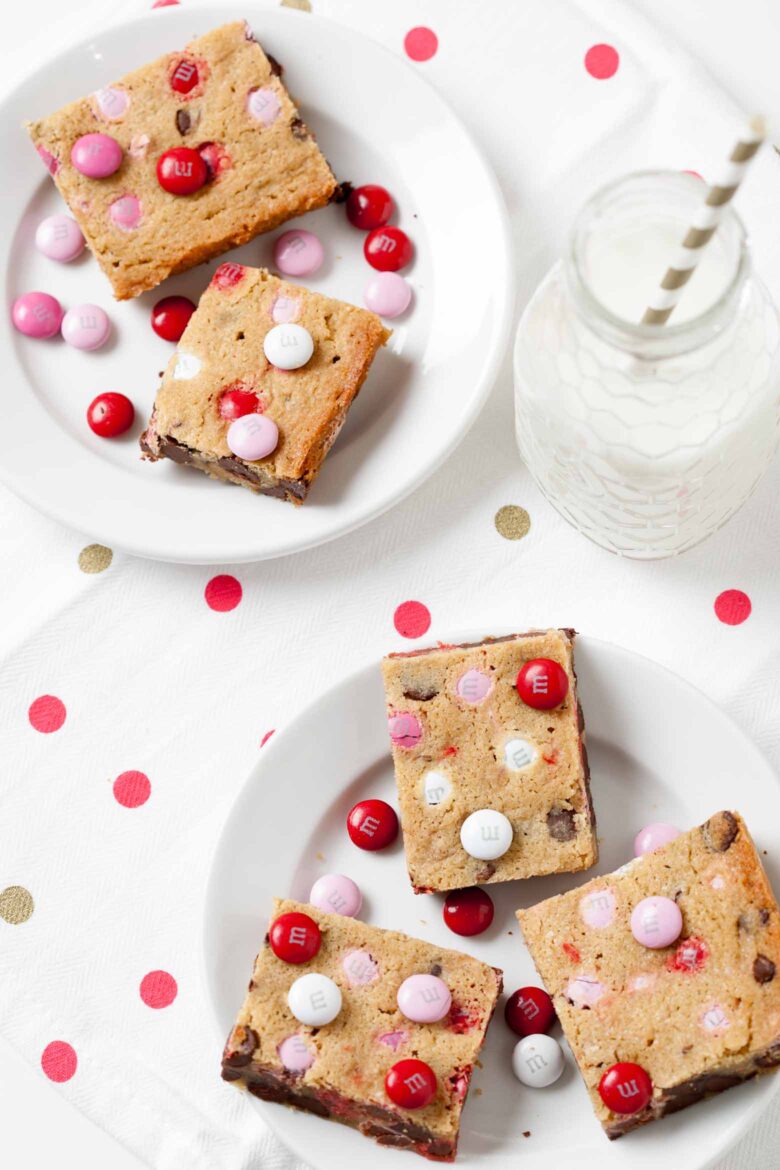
{"type": "Point", "coordinates": [647, 438]}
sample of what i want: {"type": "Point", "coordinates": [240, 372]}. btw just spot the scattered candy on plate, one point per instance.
{"type": "Point", "coordinates": [468, 912]}
{"type": "Point", "coordinates": [411, 1084]}
{"type": "Point", "coordinates": [486, 834]}
{"type": "Point", "coordinates": [288, 347]}
{"type": "Point", "coordinates": [294, 937]}
{"type": "Point", "coordinates": [387, 249]}
{"type": "Point", "coordinates": [529, 1011]}
{"type": "Point", "coordinates": [86, 327]}
{"type": "Point", "coordinates": [388, 294]}
{"type": "Point", "coordinates": [170, 317]}
{"type": "Point", "coordinates": [314, 999]}
{"type": "Point", "coordinates": [537, 1061]}
{"type": "Point", "coordinates": [298, 253]}
{"type": "Point", "coordinates": [542, 683]}
{"type": "Point", "coordinates": [369, 206]}
{"type": "Point", "coordinates": [96, 155]}
{"type": "Point", "coordinates": [37, 314]}
{"type": "Point", "coordinates": [337, 894]}
{"type": "Point", "coordinates": [60, 238]}
{"type": "Point", "coordinates": [654, 836]}
{"type": "Point", "coordinates": [424, 999]}
{"type": "Point", "coordinates": [253, 436]}
{"type": "Point", "coordinates": [181, 171]}
{"type": "Point", "coordinates": [110, 414]}
{"type": "Point", "coordinates": [372, 825]}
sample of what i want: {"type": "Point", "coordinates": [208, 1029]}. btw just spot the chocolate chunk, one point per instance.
{"type": "Point", "coordinates": [183, 121]}
{"type": "Point", "coordinates": [421, 693]}
{"type": "Point", "coordinates": [175, 451]}
{"type": "Point", "coordinates": [487, 871]}
{"type": "Point", "coordinates": [276, 68]}
{"type": "Point", "coordinates": [342, 192]}
{"type": "Point", "coordinates": [560, 824]}
{"type": "Point", "coordinates": [240, 1047]}
{"type": "Point", "coordinates": [720, 832]}
{"type": "Point", "coordinates": [686, 1093]}
{"type": "Point", "coordinates": [764, 915]}
{"type": "Point", "coordinates": [436, 969]}
{"type": "Point", "coordinates": [770, 1058]}
{"type": "Point", "coordinates": [763, 969]}
{"type": "Point", "coordinates": [299, 128]}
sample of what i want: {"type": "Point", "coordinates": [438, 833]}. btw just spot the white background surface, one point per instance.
{"type": "Point", "coordinates": [38, 1127]}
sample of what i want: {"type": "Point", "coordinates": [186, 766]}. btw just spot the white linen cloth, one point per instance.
{"type": "Point", "coordinates": [156, 681]}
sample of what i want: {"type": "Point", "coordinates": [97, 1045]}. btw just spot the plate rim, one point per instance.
{"type": "Point", "coordinates": [749, 1116]}
{"type": "Point", "coordinates": [134, 543]}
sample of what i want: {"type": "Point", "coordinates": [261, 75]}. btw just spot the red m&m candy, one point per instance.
{"type": "Point", "coordinates": [369, 207]}
{"type": "Point", "coordinates": [468, 912]}
{"type": "Point", "coordinates": [181, 171]}
{"type": "Point", "coordinates": [110, 414]}
{"type": "Point", "coordinates": [235, 402]}
{"type": "Point", "coordinates": [294, 937]}
{"type": "Point", "coordinates": [372, 824]}
{"type": "Point", "coordinates": [184, 76]}
{"type": "Point", "coordinates": [170, 317]}
{"type": "Point", "coordinates": [625, 1087]}
{"type": "Point", "coordinates": [542, 683]}
{"type": "Point", "coordinates": [387, 249]}
{"type": "Point", "coordinates": [411, 1084]}
{"type": "Point", "coordinates": [529, 1011]}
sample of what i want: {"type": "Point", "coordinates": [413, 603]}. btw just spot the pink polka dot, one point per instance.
{"type": "Point", "coordinates": [412, 619]}
{"type": "Point", "coordinates": [695, 174]}
{"type": "Point", "coordinates": [164, 3]}
{"type": "Point", "coordinates": [266, 737]}
{"type": "Point", "coordinates": [223, 593]}
{"type": "Point", "coordinates": [601, 61]}
{"type": "Point", "coordinates": [47, 713]}
{"type": "Point", "coordinates": [132, 789]}
{"type": "Point", "coordinates": [158, 989]}
{"type": "Point", "coordinates": [421, 43]}
{"type": "Point", "coordinates": [733, 607]}
{"type": "Point", "coordinates": [59, 1061]}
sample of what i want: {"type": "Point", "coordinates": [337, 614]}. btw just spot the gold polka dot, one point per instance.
{"type": "Point", "coordinates": [512, 522]}
{"type": "Point", "coordinates": [95, 558]}
{"type": "Point", "coordinates": [16, 905]}
{"type": "Point", "coordinates": [301, 5]}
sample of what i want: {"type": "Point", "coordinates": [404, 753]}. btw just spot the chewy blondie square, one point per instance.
{"type": "Point", "coordinates": [224, 98]}
{"type": "Point", "coordinates": [698, 1016]}
{"type": "Point", "coordinates": [464, 740]}
{"type": "Point", "coordinates": [221, 350]}
{"type": "Point", "coordinates": [349, 1058]}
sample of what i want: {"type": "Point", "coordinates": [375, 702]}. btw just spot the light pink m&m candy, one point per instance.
{"type": "Point", "coordinates": [96, 155]}
{"type": "Point", "coordinates": [253, 436]}
{"type": "Point", "coordinates": [296, 1054]}
{"type": "Point", "coordinates": [473, 686]}
{"type": "Point", "coordinates": [424, 998]}
{"type": "Point", "coordinates": [298, 253]}
{"type": "Point", "coordinates": [125, 212]}
{"type": "Point", "coordinates": [656, 922]}
{"type": "Point", "coordinates": [37, 314]}
{"type": "Point", "coordinates": [59, 237]}
{"type": "Point", "coordinates": [387, 294]}
{"type": "Point", "coordinates": [336, 894]}
{"type": "Point", "coordinates": [653, 837]}
{"type": "Point", "coordinates": [86, 327]}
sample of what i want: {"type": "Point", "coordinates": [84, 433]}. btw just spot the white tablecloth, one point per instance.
{"type": "Point", "coordinates": [154, 681]}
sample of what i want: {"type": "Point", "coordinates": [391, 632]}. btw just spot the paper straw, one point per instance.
{"type": "Point", "coordinates": [705, 224]}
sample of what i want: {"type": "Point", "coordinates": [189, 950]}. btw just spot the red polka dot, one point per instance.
{"type": "Point", "coordinates": [47, 713]}
{"type": "Point", "coordinates": [132, 789]}
{"type": "Point", "coordinates": [733, 607]}
{"type": "Point", "coordinates": [412, 619]}
{"type": "Point", "coordinates": [695, 174]}
{"type": "Point", "coordinates": [421, 43]}
{"type": "Point", "coordinates": [266, 737]}
{"type": "Point", "coordinates": [601, 61]}
{"type": "Point", "coordinates": [223, 593]}
{"type": "Point", "coordinates": [59, 1061]}
{"type": "Point", "coordinates": [158, 989]}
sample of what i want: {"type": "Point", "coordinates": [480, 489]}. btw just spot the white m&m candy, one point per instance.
{"type": "Point", "coordinates": [486, 834]}
{"type": "Point", "coordinates": [314, 999]}
{"type": "Point", "coordinates": [537, 1061]}
{"type": "Point", "coordinates": [288, 347]}
{"type": "Point", "coordinates": [59, 237]}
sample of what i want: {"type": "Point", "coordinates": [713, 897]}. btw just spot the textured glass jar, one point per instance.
{"type": "Point", "coordinates": [647, 438]}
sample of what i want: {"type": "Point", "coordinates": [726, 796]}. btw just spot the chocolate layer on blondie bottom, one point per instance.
{"type": "Point", "coordinates": [666, 1025]}
{"type": "Point", "coordinates": [339, 1070]}
{"type": "Point", "coordinates": [221, 368]}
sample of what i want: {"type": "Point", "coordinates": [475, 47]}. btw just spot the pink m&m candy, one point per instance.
{"type": "Point", "coordinates": [424, 998]}
{"type": "Point", "coordinates": [253, 436]}
{"type": "Point", "coordinates": [37, 314]}
{"type": "Point", "coordinates": [86, 327]}
{"type": "Point", "coordinates": [656, 922]}
{"type": "Point", "coordinates": [59, 237]}
{"type": "Point", "coordinates": [336, 894]}
{"type": "Point", "coordinates": [653, 837]}
{"type": "Point", "coordinates": [298, 253]}
{"type": "Point", "coordinates": [296, 1054]}
{"type": "Point", "coordinates": [387, 294]}
{"type": "Point", "coordinates": [96, 155]}
{"type": "Point", "coordinates": [405, 729]}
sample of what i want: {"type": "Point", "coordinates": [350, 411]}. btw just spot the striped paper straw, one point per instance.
{"type": "Point", "coordinates": [705, 224]}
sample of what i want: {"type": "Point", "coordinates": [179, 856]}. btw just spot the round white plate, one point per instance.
{"type": "Point", "coordinates": [659, 750]}
{"type": "Point", "coordinates": [377, 120]}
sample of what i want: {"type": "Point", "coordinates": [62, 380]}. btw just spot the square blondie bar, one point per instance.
{"type": "Point", "coordinates": [463, 740]}
{"type": "Point", "coordinates": [338, 1070]}
{"type": "Point", "coordinates": [698, 1016]}
{"type": "Point", "coordinates": [222, 97]}
{"type": "Point", "coordinates": [222, 351]}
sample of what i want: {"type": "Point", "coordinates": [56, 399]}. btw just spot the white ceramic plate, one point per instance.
{"type": "Point", "coordinates": [377, 120]}
{"type": "Point", "coordinates": [659, 750]}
